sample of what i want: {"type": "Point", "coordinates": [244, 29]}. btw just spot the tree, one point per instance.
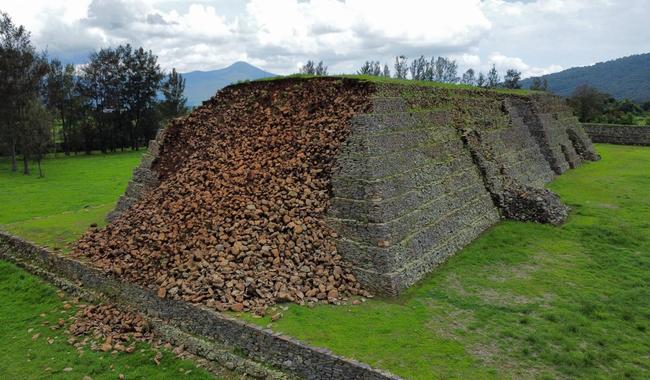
{"type": "Point", "coordinates": [321, 69]}
{"type": "Point", "coordinates": [101, 85]}
{"type": "Point", "coordinates": [628, 106]}
{"type": "Point", "coordinates": [419, 68]}
{"type": "Point", "coordinates": [310, 68]}
{"type": "Point", "coordinates": [512, 78]}
{"type": "Point", "coordinates": [120, 85]}
{"type": "Point", "coordinates": [588, 103]}
{"type": "Point", "coordinates": [469, 78]}
{"type": "Point", "coordinates": [401, 67]}
{"type": "Point", "coordinates": [386, 72]}
{"type": "Point", "coordinates": [493, 78]}
{"type": "Point", "coordinates": [646, 106]}
{"type": "Point", "coordinates": [142, 82]}
{"type": "Point", "coordinates": [21, 71]}
{"type": "Point", "coordinates": [430, 69]}
{"type": "Point", "coordinates": [481, 81]}
{"type": "Point", "coordinates": [370, 68]}
{"type": "Point", "coordinates": [439, 69]}
{"type": "Point", "coordinates": [174, 103]}
{"type": "Point", "coordinates": [451, 72]}
{"type": "Point", "coordinates": [539, 84]}
{"type": "Point", "coordinates": [445, 70]}
{"type": "Point", "coordinates": [36, 134]}
{"type": "Point", "coordinates": [61, 90]}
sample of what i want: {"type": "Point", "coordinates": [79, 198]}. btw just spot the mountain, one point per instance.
{"type": "Point", "coordinates": [202, 85]}
{"type": "Point", "coordinates": [627, 77]}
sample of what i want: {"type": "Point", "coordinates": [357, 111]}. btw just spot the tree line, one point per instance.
{"type": "Point", "coordinates": [437, 69]}
{"type": "Point", "coordinates": [116, 101]}
{"type": "Point", "coordinates": [593, 106]}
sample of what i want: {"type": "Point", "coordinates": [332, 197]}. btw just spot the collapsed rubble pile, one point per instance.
{"type": "Point", "coordinates": [237, 220]}
{"type": "Point", "coordinates": [115, 329]}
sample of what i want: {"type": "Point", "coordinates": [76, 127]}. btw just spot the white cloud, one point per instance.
{"type": "Point", "coordinates": [566, 32]}
{"type": "Point", "coordinates": [503, 63]}
{"type": "Point", "coordinates": [535, 37]}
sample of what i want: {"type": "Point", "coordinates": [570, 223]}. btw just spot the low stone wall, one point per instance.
{"type": "Point", "coordinates": [262, 345]}
{"type": "Point", "coordinates": [618, 134]}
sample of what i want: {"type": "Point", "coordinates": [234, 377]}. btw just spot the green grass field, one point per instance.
{"type": "Point", "coordinates": [54, 211]}
{"type": "Point", "coordinates": [523, 301]}
{"type": "Point", "coordinates": [30, 349]}
{"type": "Point", "coordinates": [75, 192]}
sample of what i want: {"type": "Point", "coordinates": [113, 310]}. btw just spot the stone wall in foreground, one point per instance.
{"type": "Point", "coordinates": [618, 134]}
{"type": "Point", "coordinates": [430, 169]}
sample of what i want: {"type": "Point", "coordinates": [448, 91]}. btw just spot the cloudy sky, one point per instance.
{"type": "Point", "coordinates": [534, 36]}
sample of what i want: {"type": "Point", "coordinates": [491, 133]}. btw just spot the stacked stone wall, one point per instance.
{"type": "Point", "coordinates": [406, 195]}
{"type": "Point", "coordinates": [618, 134]}
{"type": "Point", "coordinates": [430, 169]}
{"type": "Point", "coordinates": [558, 133]}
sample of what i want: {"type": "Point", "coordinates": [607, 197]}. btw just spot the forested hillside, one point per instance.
{"type": "Point", "coordinates": [627, 77]}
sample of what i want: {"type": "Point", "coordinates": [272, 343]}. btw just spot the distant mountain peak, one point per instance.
{"type": "Point", "coordinates": [202, 85]}
{"type": "Point", "coordinates": [242, 64]}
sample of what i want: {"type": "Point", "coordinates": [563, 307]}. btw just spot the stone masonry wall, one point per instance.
{"type": "Point", "coordinates": [430, 169]}
{"type": "Point", "coordinates": [618, 134]}
{"type": "Point", "coordinates": [559, 135]}
{"type": "Point", "coordinates": [405, 196]}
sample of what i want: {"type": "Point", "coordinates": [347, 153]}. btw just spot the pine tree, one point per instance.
{"type": "Point", "coordinates": [401, 67]}
{"type": "Point", "coordinates": [493, 78]}
{"type": "Point", "coordinates": [174, 104]}
{"type": "Point", "coordinates": [512, 78]}
{"type": "Point", "coordinates": [22, 69]}
{"type": "Point", "coordinates": [469, 78]}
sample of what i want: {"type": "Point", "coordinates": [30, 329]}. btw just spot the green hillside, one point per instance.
{"type": "Point", "coordinates": [627, 77]}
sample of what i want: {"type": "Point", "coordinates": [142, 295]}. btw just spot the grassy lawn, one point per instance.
{"type": "Point", "coordinates": [31, 349]}
{"type": "Point", "coordinates": [55, 211]}
{"type": "Point", "coordinates": [75, 192]}
{"type": "Point", "coordinates": [523, 301]}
